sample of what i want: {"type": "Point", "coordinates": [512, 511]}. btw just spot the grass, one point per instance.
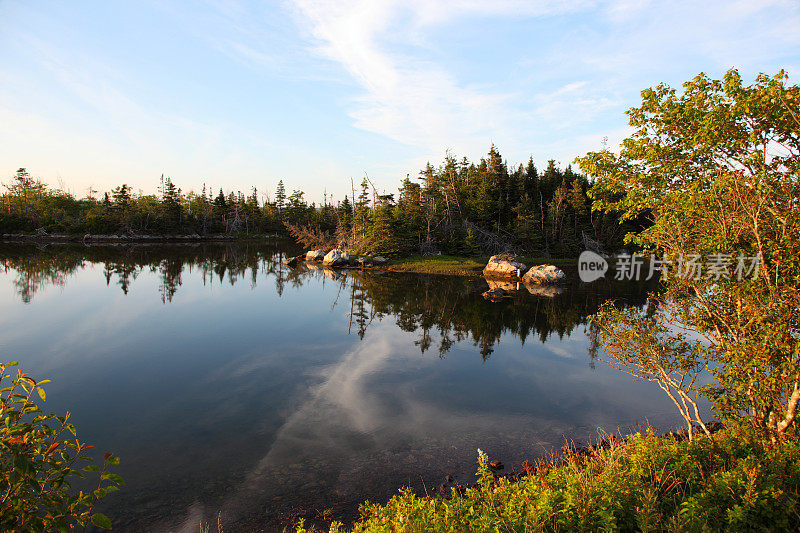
{"type": "Point", "coordinates": [452, 265]}
{"type": "Point", "coordinates": [732, 482]}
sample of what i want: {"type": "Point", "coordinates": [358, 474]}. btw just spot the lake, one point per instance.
{"type": "Point", "coordinates": [232, 384]}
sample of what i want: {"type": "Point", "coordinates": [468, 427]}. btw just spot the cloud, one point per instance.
{"type": "Point", "coordinates": [606, 53]}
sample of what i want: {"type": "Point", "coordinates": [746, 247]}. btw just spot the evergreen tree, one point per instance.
{"type": "Point", "coordinates": [280, 199]}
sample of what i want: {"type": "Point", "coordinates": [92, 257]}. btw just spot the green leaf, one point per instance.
{"type": "Point", "coordinates": [101, 520]}
{"type": "Point", "coordinates": [116, 478]}
{"type": "Point", "coordinates": [42, 395]}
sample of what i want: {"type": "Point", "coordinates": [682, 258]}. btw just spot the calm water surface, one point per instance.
{"type": "Point", "coordinates": [230, 383]}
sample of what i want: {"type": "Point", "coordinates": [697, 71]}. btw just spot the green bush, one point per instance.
{"type": "Point", "coordinates": [732, 482]}
{"type": "Point", "coordinates": [40, 455]}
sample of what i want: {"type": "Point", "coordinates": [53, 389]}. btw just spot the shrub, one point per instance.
{"type": "Point", "coordinates": [40, 457]}
{"type": "Point", "coordinates": [733, 482]}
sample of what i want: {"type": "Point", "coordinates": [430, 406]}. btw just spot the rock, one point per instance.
{"type": "Point", "coordinates": [315, 255]}
{"type": "Point", "coordinates": [292, 261]}
{"type": "Point", "coordinates": [496, 295]}
{"type": "Point", "coordinates": [336, 257]}
{"type": "Point", "coordinates": [548, 291]}
{"type": "Point", "coordinates": [544, 275]}
{"type": "Point", "coordinates": [503, 266]}
{"type": "Point", "coordinates": [363, 261]}
{"type": "Point", "coordinates": [502, 284]}
{"type": "Point", "coordinates": [41, 232]}
{"type": "Point", "coordinates": [379, 260]}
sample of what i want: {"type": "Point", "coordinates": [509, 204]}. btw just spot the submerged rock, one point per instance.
{"type": "Point", "coordinates": [315, 256]}
{"type": "Point", "coordinates": [292, 261]}
{"type": "Point", "coordinates": [503, 266]}
{"type": "Point", "coordinates": [331, 274]}
{"type": "Point", "coordinates": [548, 291]}
{"type": "Point", "coordinates": [496, 295]}
{"type": "Point", "coordinates": [506, 285]}
{"type": "Point", "coordinates": [544, 275]}
{"type": "Point", "coordinates": [336, 257]}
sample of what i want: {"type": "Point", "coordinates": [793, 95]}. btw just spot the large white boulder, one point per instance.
{"type": "Point", "coordinates": [503, 266]}
{"type": "Point", "coordinates": [336, 257]}
{"type": "Point", "coordinates": [544, 275]}
{"type": "Point", "coordinates": [315, 255]}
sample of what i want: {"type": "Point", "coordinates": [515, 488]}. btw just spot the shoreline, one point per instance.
{"type": "Point", "coordinates": [443, 265]}
{"type": "Point", "coordinates": [116, 238]}
{"type": "Point", "coordinates": [575, 456]}
{"type": "Point", "coordinates": [450, 265]}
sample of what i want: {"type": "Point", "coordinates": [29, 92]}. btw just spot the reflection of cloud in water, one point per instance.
{"type": "Point", "coordinates": [374, 417]}
{"type": "Point", "coordinates": [350, 427]}
{"type": "Point", "coordinates": [559, 351]}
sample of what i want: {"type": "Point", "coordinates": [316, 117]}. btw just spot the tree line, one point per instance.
{"type": "Point", "coordinates": [459, 207]}
{"type": "Point", "coordinates": [472, 208]}
{"type": "Point", "coordinates": [28, 205]}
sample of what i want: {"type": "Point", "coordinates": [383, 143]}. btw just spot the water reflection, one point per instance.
{"type": "Point", "coordinates": [442, 310]}
{"type": "Point", "coordinates": [228, 381]}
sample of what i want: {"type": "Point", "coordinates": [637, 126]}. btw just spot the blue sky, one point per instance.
{"type": "Point", "coordinates": [314, 92]}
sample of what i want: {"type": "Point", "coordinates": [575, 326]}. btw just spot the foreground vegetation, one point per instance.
{"type": "Point", "coordinates": [733, 482]}
{"type": "Point", "coordinates": [41, 459]}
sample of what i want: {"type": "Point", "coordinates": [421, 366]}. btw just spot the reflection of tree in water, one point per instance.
{"type": "Point", "coordinates": [38, 267]}
{"type": "Point", "coordinates": [37, 270]}
{"type": "Point", "coordinates": [358, 309]}
{"type": "Point", "coordinates": [170, 271]}
{"type": "Point", "coordinates": [125, 273]}
{"type": "Point", "coordinates": [440, 310]}
{"type": "Point", "coordinates": [446, 310]}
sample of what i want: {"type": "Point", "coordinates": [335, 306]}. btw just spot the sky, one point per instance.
{"type": "Point", "coordinates": [235, 94]}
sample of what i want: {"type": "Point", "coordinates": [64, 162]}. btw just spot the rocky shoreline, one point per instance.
{"type": "Point", "coordinates": [502, 273]}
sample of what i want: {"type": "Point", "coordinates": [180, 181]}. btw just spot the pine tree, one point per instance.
{"type": "Point", "coordinates": [171, 203]}
{"type": "Point", "coordinates": [280, 199]}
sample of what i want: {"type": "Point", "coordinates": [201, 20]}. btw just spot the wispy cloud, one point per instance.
{"type": "Point", "coordinates": [410, 96]}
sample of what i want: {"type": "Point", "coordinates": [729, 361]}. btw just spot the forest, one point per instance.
{"type": "Point", "coordinates": [458, 207]}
